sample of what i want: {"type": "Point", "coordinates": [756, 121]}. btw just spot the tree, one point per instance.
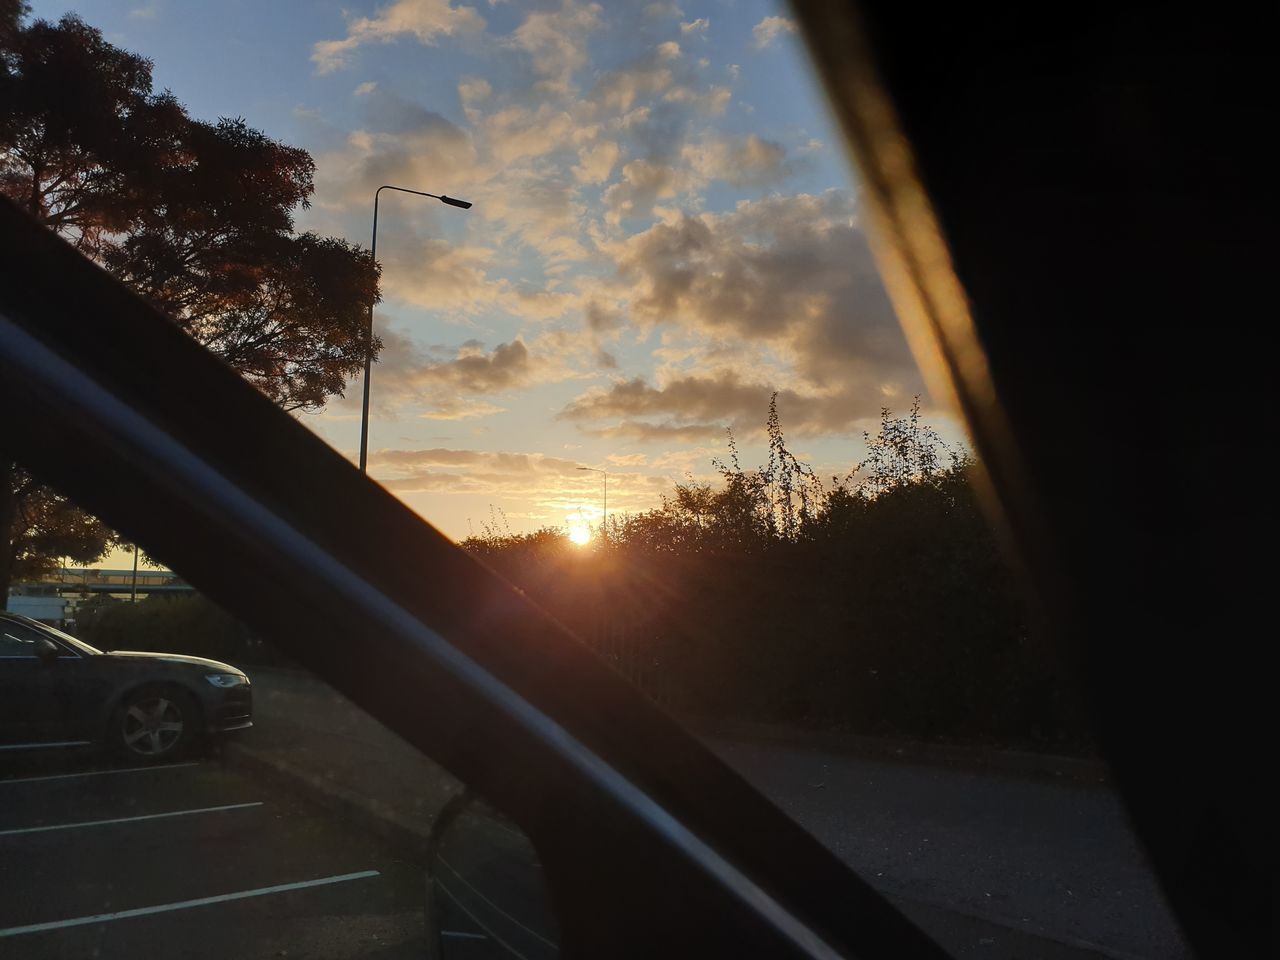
{"type": "Point", "coordinates": [82, 136]}
{"type": "Point", "coordinates": [196, 216]}
{"type": "Point", "coordinates": [46, 526]}
{"type": "Point", "coordinates": [11, 14]}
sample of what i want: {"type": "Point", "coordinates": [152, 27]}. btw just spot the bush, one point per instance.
{"type": "Point", "coordinates": [878, 603]}
{"type": "Point", "coordinates": [188, 624]}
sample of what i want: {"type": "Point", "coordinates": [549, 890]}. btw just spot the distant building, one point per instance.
{"type": "Point", "coordinates": [54, 611]}
{"type": "Point", "coordinates": [54, 600]}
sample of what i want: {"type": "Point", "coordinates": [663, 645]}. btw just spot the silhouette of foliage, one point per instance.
{"type": "Point", "coordinates": [196, 216]}
{"type": "Point", "coordinates": [877, 602]}
{"type": "Point", "coordinates": [47, 527]}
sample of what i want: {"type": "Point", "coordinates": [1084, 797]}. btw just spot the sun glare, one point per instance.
{"type": "Point", "coordinates": [580, 534]}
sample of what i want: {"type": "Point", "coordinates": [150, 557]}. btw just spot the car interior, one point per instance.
{"type": "Point", "coordinates": [1068, 215]}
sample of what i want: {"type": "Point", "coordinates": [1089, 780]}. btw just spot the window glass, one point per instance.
{"type": "Point", "coordinates": [645, 368]}
{"type": "Point", "coordinates": [12, 644]}
{"type": "Point", "coordinates": [16, 640]}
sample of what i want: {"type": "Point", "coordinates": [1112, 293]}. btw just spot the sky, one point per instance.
{"type": "Point", "coordinates": [665, 231]}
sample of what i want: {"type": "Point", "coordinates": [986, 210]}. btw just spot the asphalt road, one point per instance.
{"type": "Point", "coordinates": [1025, 862]}
{"type": "Point", "coordinates": [203, 861]}
{"type": "Point", "coordinates": [994, 867]}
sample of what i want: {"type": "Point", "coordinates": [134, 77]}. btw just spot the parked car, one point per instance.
{"type": "Point", "coordinates": [57, 691]}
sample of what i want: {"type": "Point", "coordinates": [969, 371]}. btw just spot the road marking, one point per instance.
{"type": "Point", "coordinates": [45, 745]}
{"type": "Point", "coordinates": [148, 816]}
{"type": "Point", "coordinates": [186, 904]}
{"type": "Point", "coordinates": [474, 919]}
{"type": "Point", "coordinates": [98, 773]}
{"type": "Point", "coordinates": [462, 935]}
{"type": "Point", "coordinates": [474, 889]}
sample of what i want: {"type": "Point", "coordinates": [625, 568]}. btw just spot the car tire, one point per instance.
{"type": "Point", "coordinates": [154, 724]}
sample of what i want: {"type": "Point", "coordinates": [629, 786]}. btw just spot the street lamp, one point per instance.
{"type": "Point", "coordinates": [368, 356]}
{"type": "Point", "coordinates": [604, 523]}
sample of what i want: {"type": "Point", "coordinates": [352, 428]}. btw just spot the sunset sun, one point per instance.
{"type": "Point", "coordinates": [580, 534]}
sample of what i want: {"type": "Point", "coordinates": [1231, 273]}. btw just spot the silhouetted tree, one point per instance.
{"type": "Point", "coordinates": [196, 216]}
{"type": "Point", "coordinates": [877, 601]}
{"type": "Point", "coordinates": [46, 527]}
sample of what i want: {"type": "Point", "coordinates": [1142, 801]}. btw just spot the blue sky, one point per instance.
{"type": "Point", "coordinates": [665, 231]}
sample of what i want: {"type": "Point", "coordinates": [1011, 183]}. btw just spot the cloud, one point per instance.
{"type": "Point", "coordinates": [402, 142]}
{"type": "Point", "coordinates": [770, 29]}
{"type": "Point", "coordinates": [643, 183]}
{"type": "Point", "coordinates": [461, 382]}
{"type": "Point", "coordinates": [696, 407]}
{"type": "Point", "coordinates": [601, 317]}
{"type": "Point", "coordinates": [425, 20]}
{"type": "Point", "coordinates": [556, 42]}
{"type": "Point", "coordinates": [793, 273]}
{"type": "Point", "coordinates": [688, 398]}
{"type": "Point", "coordinates": [437, 274]}
{"type": "Point", "coordinates": [364, 89]}
{"type": "Point", "coordinates": [695, 27]}
{"type": "Point", "coordinates": [504, 462]}
{"type": "Point", "coordinates": [517, 133]}
{"type": "Point", "coordinates": [528, 153]}
{"type": "Point", "coordinates": [471, 471]}
{"type": "Point", "coordinates": [596, 162]}
{"type": "Point", "coordinates": [473, 89]}
{"type": "Point", "coordinates": [687, 458]}
{"type": "Point", "coordinates": [663, 8]}
{"type": "Point", "coordinates": [749, 161]}
{"type": "Point", "coordinates": [639, 431]}
{"type": "Point", "coordinates": [452, 384]}
{"type": "Point", "coordinates": [710, 100]}
{"type": "Point", "coordinates": [524, 480]}
{"type": "Point", "coordinates": [476, 371]}
{"type": "Point", "coordinates": [618, 91]}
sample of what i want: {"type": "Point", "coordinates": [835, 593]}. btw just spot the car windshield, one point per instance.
{"type": "Point", "coordinates": [592, 289]}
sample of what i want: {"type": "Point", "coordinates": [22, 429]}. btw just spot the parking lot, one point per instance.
{"type": "Point", "coordinates": [280, 849]}
{"type": "Point", "coordinates": [190, 860]}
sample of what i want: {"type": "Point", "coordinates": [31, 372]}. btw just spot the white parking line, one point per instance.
{"type": "Point", "coordinates": [148, 816]}
{"type": "Point", "coordinates": [474, 889]}
{"type": "Point", "coordinates": [474, 919]}
{"type": "Point", "coordinates": [98, 773]}
{"type": "Point", "coordinates": [185, 904]}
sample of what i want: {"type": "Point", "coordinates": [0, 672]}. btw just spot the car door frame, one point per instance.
{"type": "Point", "coordinates": [53, 702]}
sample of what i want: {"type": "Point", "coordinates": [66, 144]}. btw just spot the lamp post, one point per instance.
{"type": "Point", "coordinates": [604, 523]}
{"type": "Point", "coordinates": [368, 356]}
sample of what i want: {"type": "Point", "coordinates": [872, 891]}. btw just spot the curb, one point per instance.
{"type": "Point", "coordinates": [986, 760]}
{"type": "Point", "coordinates": [1024, 764]}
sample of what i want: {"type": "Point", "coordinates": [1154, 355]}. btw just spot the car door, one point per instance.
{"type": "Point", "coordinates": [41, 699]}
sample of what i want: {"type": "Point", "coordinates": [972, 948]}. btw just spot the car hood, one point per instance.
{"type": "Point", "coordinates": [174, 658]}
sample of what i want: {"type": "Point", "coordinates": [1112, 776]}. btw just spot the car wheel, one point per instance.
{"type": "Point", "coordinates": [154, 724]}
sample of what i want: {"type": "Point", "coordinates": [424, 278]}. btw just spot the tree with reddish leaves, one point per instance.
{"type": "Point", "coordinates": [196, 216]}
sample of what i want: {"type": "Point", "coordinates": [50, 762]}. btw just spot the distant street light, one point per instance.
{"type": "Point", "coordinates": [368, 357]}
{"type": "Point", "coordinates": [604, 523]}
